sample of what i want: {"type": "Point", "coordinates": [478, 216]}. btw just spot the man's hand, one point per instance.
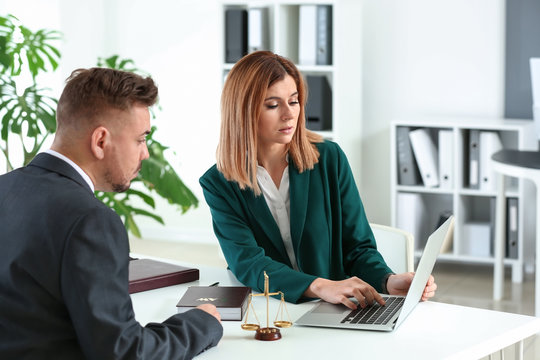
{"type": "Point", "coordinates": [211, 309]}
{"type": "Point", "coordinates": [399, 284]}
{"type": "Point", "coordinates": [337, 292]}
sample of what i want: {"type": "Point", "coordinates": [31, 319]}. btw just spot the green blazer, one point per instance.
{"type": "Point", "coordinates": [330, 233]}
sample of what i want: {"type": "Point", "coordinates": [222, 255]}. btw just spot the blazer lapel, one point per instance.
{"type": "Point", "coordinates": [263, 216]}
{"type": "Point", "coordinates": [298, 189]}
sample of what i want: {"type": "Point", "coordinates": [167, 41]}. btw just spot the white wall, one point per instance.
{"type": "Point", "coordinates": [420, 58]}
{"type": "Point", "coordinates": [179, 43]}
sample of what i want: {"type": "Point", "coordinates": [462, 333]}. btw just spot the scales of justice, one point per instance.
{"type": "Point", "coordinates": [268, 333]}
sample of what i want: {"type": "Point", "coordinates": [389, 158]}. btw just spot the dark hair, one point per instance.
{"type": "Point", "coordinates": [89, 93]}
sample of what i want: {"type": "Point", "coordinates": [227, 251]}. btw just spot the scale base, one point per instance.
{"type": "Point", "coordinates": [268, 334]}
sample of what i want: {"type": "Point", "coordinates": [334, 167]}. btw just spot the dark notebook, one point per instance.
{"type": "Point", "coordinates": [147, 274]}
{"type": "Point", "coordinates": [231, 301]}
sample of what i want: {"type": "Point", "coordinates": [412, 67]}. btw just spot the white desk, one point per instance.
{"type": "Point", "coordinates": [432, 331]}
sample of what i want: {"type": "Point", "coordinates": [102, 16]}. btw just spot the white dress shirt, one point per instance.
{"type": "Point", "coordinates": [278, 201]}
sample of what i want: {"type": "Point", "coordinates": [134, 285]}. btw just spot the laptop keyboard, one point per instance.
{"type": "Point", "coordinates": [375, 314]}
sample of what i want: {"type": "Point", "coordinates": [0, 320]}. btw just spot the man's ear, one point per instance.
{"type": "Point", "coordinates": [99, 141]}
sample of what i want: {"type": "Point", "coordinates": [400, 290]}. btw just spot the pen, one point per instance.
{"type": "Point", "coordinates": [214, 284]}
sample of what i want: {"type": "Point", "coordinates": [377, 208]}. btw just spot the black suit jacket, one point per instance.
{"type": "Point", "coordinates": [64, 276]}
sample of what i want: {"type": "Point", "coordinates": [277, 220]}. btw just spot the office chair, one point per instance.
{"type": "Point", "coordinates": [396, 247]}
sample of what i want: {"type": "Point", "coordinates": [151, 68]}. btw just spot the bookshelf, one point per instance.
{"type": "Point", "coordinates": [281, 27]}
{"type": "Point", "coordinates": [466, 191]}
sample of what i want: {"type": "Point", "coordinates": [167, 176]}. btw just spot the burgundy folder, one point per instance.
{"type": "Point", "coordinates": [148, 274]}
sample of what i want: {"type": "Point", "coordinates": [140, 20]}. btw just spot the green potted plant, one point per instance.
{"type": "Point", "coordinates": [28, 118]}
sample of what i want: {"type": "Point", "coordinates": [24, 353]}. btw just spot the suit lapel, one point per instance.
{"type": "Point", "coordinates": [263, 216]}
{"type": "Point", "coordinates": [298, 189]}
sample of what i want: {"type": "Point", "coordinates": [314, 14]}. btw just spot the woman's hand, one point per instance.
{"type": "Point", "coordinates": [399, 284]}
{"type": "Point", "coordinates": [337, 292]}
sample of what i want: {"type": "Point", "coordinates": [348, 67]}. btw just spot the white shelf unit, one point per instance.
{"type": "Point", "coordinates": [284, 33]}
{"type": "Point", "coordinates": [467, 204]}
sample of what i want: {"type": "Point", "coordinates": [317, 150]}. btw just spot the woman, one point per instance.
{"type": "Point", "coordinates": [284, 201]}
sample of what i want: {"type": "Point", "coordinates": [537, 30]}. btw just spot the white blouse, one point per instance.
{"type": "Point", "coordinates": [278, 201]}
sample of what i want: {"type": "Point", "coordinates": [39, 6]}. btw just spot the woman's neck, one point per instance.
{"type": "Point", "coordinates": [274, 160]}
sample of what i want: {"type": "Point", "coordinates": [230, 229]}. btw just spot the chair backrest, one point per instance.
{"type": "Point", "coordinates": [396, 246]}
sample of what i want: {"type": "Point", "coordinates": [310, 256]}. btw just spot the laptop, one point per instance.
{"type": "Point", "coordinates": [397, 308]}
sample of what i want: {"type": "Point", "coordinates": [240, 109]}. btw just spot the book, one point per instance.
{"type": "Point", "coordinates": [148, 274]}
{"type": "Point", "coordinates": [426, 155]}
{"type": "Point", "coordinates": [231, 301]}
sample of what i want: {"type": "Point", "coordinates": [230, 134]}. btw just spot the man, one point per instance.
{"type": "Point", "coordinates": [64, 254]}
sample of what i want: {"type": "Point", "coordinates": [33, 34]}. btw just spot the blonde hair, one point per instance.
{"type": "Point", "coordinates": [241, 101]}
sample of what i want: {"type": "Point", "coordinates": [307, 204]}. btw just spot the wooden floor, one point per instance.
{"type": "Point", "coordinates": [469, 285]}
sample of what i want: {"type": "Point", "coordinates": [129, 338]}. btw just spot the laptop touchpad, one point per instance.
{"type": "Point", "coordinates": [327, 308]}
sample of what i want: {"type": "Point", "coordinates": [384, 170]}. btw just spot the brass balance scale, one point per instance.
{"type": "Point", "coordinates": [267, 333]}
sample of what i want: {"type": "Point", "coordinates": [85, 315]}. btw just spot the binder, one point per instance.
{"type": "Point", "coordinates": [258, 30]}
{"type": "Point", "coordinates": [307, 42]}
{"type": "Point", "coordinates": [492, 225]}
{"type": "Point", "coordinates": [408, 173]}
{"type": "Point", "coordinates": [490, 143]}
{"type": "Point", "coordinates": [236, 37]}
{"type": "Point", "coordinates": [319, 103]}
{"type": "Point", "coordinates": [446, 159]}
{"type": "Point", "coordinates": [426, 155]}
{"type": "Point", "coordinates": [512, 228]}
{"type": "Point", "coordinates": [410, 215]}
{"type": "Point", "coordinates": [324, 35]}
{"type": "Point", "coordinates": [474, 156]}
{"type": "Point", "coordinates": [148, 274]}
